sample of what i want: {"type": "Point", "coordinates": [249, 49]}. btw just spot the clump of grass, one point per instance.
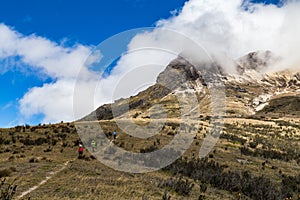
{"type": "Point", "coordinates": [7, 190]}
{"type": "Point", "coordinates": [33, 160]}
{"type": "Point", "coordinates": [180, 186]}
{"type": "Point", "coordinates": [166, 196]}
{"type": "Point", "coordinates": [5, 172]}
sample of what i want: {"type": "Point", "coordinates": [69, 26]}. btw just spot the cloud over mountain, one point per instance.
{"type": "Point", "coordinates": [233, 28]}
{"type": "Point", "coordinates": [225, 30]}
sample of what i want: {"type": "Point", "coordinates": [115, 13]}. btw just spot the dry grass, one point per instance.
{"type": "Point", "coordinates": [89, 179]}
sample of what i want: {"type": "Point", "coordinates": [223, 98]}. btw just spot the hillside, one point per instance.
{"type": "Point", "coordinates": [267, 150]}
{"type": "Point", "coordinates": [257, 155]}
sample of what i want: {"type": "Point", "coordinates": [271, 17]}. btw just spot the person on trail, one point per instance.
{"type": "Point", "coordinates": [80, 151]}
{"type": "Point", "coordinates": [115, 135]}
{"type": "Point", "coordinates": [93, 145]}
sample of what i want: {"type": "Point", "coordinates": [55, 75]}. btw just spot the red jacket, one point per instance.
{"type": "Point", "coordinates": [80, 149]}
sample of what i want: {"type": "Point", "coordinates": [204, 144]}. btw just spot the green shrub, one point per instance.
{"type": "Point", "coordinates": [211, 172]}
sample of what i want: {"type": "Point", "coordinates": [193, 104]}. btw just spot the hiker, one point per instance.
{"type": "Point", "coordinates": [93, 145]}
{"type": "Point", "coordinates": [115, 135]}
{"type": "Point", "coordinates": [80, 151]}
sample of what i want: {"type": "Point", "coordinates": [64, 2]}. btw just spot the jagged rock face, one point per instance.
{"type": "Point", "coordinates": [248, 93]}
{"type": "Point", "coordinates": [284, 79]}
{"type": "Point", "coordinates": [181, 74]}
{"type": "Point", "coordinates": [257, 61]}
{"type": "Point", "coordinates": [177, 73]}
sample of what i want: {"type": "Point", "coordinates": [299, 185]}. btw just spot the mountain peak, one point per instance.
{"type": "Point", "coordinates": [258, 61]}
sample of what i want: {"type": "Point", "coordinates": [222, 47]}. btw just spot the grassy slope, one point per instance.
{"type": "Point", "coordinates": [89, 179]}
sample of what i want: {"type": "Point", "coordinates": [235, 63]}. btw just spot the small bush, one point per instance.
{"type": "Point", "coordinates": [54, 142]}
{"type": "Point", "coordinates": [149, 149]}
{"type": "Point", "coordinates": [180, 186]}
{"type": "Point", "coordinates": [33, 160]}
{"type": "Point", "coordinates": [253, 145]}
{"type": "Point", "coordinates": [11, 158]}
{"type": "Point", "coordinates": [203, 187]}
{"type": "Point", "coordinates": [56, 130]}
{"type": "Point", "coordinates": [166, 196]}
{"type": "Point", "coordinates": [18, 128]}
{"type": "Point", "coordinates": [211, 172]}
{"type": "Point", "coordinates": [13, 169]}
{"type": "Point", "coordinates": [135, 115]}
{"type": "Point", "coordinates": [27, 141]}
{"type": "Point", "coordinates": [40, 141]}
{"type": "Point", "coordinates": [7, 142]}
{"type": "Point", "coordinates": [5, 172]}
{"type": "Point", "coordinates": [49, 149]}
{"type": "Point", "coordinates": [233, 138]}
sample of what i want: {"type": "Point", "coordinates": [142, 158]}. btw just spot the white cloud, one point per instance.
{"type": "Point", "coordinates": [235, 32]}
{"type": "Point", "coordinates": [8, 39]}
{"type": "Point", "coordinates": [8, 105]}
{"type": "Point", "coordinates": [62, 64]}
{"type": "Point", "coordinates": [54, 60]}
{"type": "Point", "coordinates": [53, 100]}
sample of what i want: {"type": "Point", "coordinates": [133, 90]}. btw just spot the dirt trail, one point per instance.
{"type": "Point", "coordinates": [51, 175]}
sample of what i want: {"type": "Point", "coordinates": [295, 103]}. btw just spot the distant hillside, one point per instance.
{"type": "Point", "coordinates": [286, 106]}
{"type": "Point", "coordinates": [247, 92]}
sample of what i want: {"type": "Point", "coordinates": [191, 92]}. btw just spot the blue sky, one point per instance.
{"type": "Point", "coordinates": [87, 22]}
{"type": "Point", "coordinates": [67, 23]}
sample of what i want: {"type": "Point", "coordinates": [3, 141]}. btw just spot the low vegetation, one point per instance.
{"type": "Point", "coordinates": [253, 159]}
